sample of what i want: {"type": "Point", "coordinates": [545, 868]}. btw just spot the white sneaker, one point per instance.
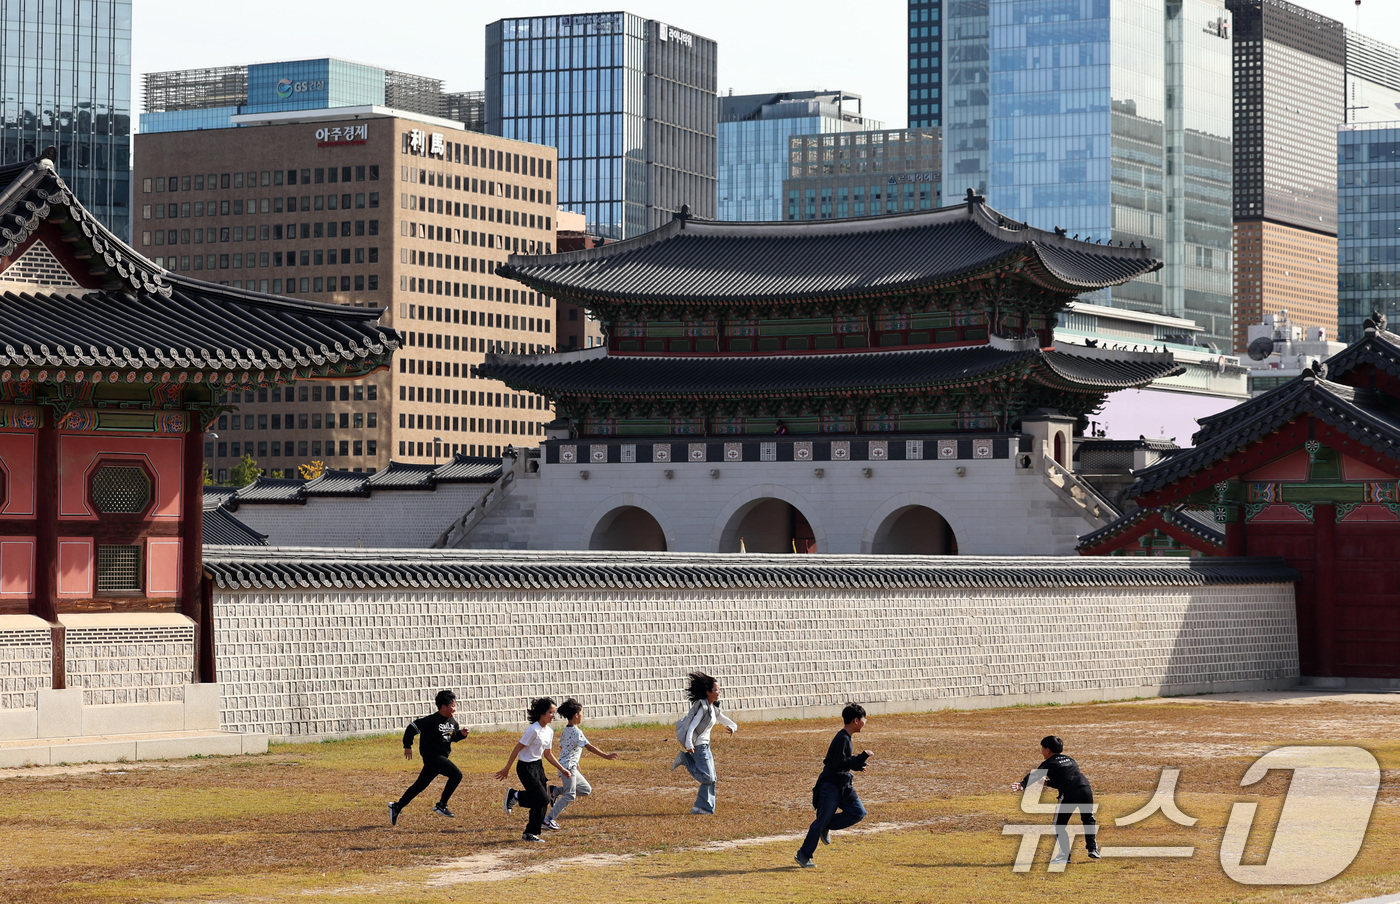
{"type": "Point", "coordinates": [1060, 858]}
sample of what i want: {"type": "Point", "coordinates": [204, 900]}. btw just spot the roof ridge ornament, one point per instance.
{"type": "Point", "coordinates": [682, 215]}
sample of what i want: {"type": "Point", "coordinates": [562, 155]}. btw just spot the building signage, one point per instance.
{"type": "Point", "coordinates": [426, 145]}
{"type": "Point", "coordinates": [1219, 27]}
{"type": "Point", "coordinates": [667, 33]}
{"type": "Point", "coordinates": [912, 177]}
{"type": "Point", "coordinates": [342, 136]}
{"type": "Point", "coordinates": [604, 22]}
{"type": "Point", "coordinates": [286, 87]}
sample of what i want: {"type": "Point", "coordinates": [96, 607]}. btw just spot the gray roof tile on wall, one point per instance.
{"type": "Point", "coordinates": [234, 568]}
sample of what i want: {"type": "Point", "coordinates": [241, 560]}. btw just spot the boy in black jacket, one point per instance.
{"type": "Point", "coordinates": [437, 733]}
{"type": "Point", "coordinates": [835, 788]}
{"type": "Point", "coordinates": [1062, 773]}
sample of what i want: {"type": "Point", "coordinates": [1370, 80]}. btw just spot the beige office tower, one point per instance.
{"type": "Point", "coordinates": [364, 206]}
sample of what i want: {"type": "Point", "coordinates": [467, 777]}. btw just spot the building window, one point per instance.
{"type": "Point", "coordinates": [121, 490]}
{"type": "Point", "coordinates": [118, 569]}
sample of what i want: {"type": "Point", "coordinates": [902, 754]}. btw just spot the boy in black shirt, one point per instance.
{"type": "Point", "coordinates": [436, 732]}
{"type": "Point", "coordinates": [835, 788]}
{"type": "Point", "coordinates": [1062, 773]}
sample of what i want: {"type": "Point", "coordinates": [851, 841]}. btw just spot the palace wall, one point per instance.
{"type": "Point", "coordinates": [791, 636]}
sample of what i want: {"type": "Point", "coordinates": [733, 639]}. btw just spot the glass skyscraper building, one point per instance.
{"type": "Point", "coordinates": [628, 102]}
{"type": "Point", "coordinates": [1368, 240]}
{"type": "Point", "coordinates": [1108, 118]}
{"type": "Point", "coordinates": [926, 58]}
{"type": "Point", "coordinates": [753, 144]}
{"type": "Point", "coordinates": [65, 82]}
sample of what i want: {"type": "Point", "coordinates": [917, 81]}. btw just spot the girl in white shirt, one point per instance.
{"type": "Point", "coordinates": [693, 733]}
{"type": "Point", "coordinates": [534, 745]}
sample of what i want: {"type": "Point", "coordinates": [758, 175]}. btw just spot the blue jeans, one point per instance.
{"type": "Point", "coordinates": [830, 798]}
{"type": "Point", "coordinates": [701, 766]}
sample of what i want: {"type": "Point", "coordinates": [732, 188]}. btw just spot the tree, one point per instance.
{"type": "Point", "coordinates": [245, 472]}
{"type": "Point", "coordinates": [313, 470]}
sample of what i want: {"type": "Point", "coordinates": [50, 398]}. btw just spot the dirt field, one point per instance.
{"type": "Point", "coordinates": [308, 822]}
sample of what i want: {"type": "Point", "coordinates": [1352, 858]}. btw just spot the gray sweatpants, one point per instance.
{"type": "Point", "coordinates": [573, 787]}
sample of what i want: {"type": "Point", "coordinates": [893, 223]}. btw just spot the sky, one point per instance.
{"type": "Point", "coordinates": [763, 46]}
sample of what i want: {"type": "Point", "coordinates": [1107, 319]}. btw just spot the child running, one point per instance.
{"type": "Point", "coordinates": [572, 744]}
{"type": "Point", "coordinates": [437, 732]}
{"type": "Point", "coordinates": [535, 744]}
{"type": "Point", "coordinates": [693, 733]}
{"type": "Point", "coordinates": [1062, 773]}
{"type": "Point", "coordinates": [835, 788]}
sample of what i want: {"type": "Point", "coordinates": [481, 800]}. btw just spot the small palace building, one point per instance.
{"type": "Point", "coordinates": [111, 369]}
{"type": "Point", "coordinates": [1308, 471]}
{"type": "Point", "coordinates": [887, 384]}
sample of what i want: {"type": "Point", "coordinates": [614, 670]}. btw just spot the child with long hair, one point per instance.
{"type": "Point", "coordinates": [693, 733]}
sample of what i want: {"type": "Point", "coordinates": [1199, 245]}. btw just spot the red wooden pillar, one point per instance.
{"type": "Point", "coordinates": [1324, 584]}
{"type": "Point", "coordinates": [1234, 532]}
{"type": "Point", "coordinates": [192, 550]}
{"type": "Point", "coordinates": [47, 468]}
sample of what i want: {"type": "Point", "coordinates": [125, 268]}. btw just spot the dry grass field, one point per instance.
{"type": "Point", "coordinates": [308, 823]}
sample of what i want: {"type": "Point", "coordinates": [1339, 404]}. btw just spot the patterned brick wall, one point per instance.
{"type": "Point", "coordinates": [130, 664]}
{"type": "Point", "coordinates": [26, 666]}
{"type": "Point", "coordinates": [311, 662]}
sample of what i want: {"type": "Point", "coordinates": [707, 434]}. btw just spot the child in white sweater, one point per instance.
{"type": "Point", "coordinates": [693, 733]}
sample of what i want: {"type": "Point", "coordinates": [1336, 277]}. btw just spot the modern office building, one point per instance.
{"type": "Point", "coordinates": [65, 82]}
{"type": "Point", "coordinates": [1110, 120]}
{"type": "Point", "coordinates": [628, 102]}
{"type": "Point", "coordinates": [753, 144]}
{"type": "Point", "coordinates": [926, 56]}
{"type": "Point", "coordinates": [468, 108]}
{"type": "Point", "coordinates": [188, 99]}
{"type": "Point", "coordinates": [369, 206]}
{"type": "Point", "coordinates": [1368, 243]}
{"type": "Point", "coordinates": [858, 174]}
{"type": "Point", "coordinates": [1289, 97]}
{"type": "Point", "coordinates": [1373, 79]}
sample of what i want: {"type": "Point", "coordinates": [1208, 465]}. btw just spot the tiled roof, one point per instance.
{"type": "Point", "coordinates": [296, 568]}
{"type": "Point", "coordinates": [404, 476]}
{"type": "Point", "coordinates": [337, 483]}
{"type": "Point", "coordinates": [469, 469]}
{"type": "Point", "coordinates": [151, 319]}
{"type": "Point", "coordinates": [701, 262]}
{"type": "Point", "coordinates": [763, 375]}
{"type": "Point", "coordinates": [1196, 522]}
{"type": "Point", "coordinates": [1381, 350]}
{"type": "Point", "coordinates": [1365, 415]}
{"type": "Point", "coordinates": [216, 496]}
{"type": "Point", "coordinates": [221, 528]}
{"type": "Point", "coordinates": [272, 489]}
{"type": "Point", "coordinates": [397, 476]}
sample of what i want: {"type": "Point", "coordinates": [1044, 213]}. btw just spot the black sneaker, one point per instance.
{"type": "Point", "coordinates": [511, 795]}
{"type": "Point", "coordinates": [1094, 854]}
{"type": "Point", "coordinates": [554, 792]}
{"type": "Point", "coordinates": [804, 863]}
{"type": "Point", "coordinates": [534, 838]}
{"type": "Point", "coordinates": [826, 836]}
{"type": "Point", "coordinates": [441, 810]}
{"type": "Point", "coordinates": [394, 811]}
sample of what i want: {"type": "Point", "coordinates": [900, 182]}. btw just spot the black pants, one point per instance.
{"type": "Point", "coordinates": [432, 768]}
{"type": "Point", "coordinates": [536, 793]}
{"type": "Point", "coordinates": [1065, 809]}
